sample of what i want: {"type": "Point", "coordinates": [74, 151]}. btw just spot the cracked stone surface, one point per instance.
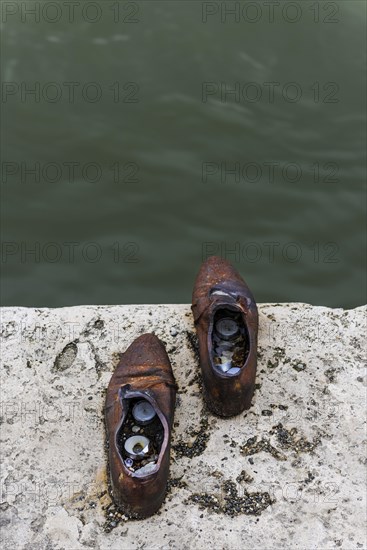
{"type": "Point", "coordinates": [288, 473]}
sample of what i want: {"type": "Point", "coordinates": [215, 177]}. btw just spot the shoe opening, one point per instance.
{"type": "Point", "coordinates": [140, 437]}
{"type": "Point", "coordinates": [230, 341]}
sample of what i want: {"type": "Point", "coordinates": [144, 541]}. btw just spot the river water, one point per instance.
{"type": "Point", "coordinates": [141, 137]}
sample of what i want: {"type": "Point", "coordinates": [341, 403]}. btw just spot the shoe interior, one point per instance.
{"type": "Point", "coordinates": [140, 437]}
{"type": "Point", "coordinates": [230, 341]}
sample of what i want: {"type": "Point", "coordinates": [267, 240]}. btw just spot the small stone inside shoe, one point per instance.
{"type": "Point", "coordinates": [226, 366]}
{"type": "Point", "coordinates": [147, 469]}
{"type": "Point", "coordinates": [233, 371]}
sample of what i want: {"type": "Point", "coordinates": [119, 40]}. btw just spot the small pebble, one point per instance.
{"type": "Point", "coordinates": [233, 371]}
{"type": "Point", "coordinates": [225, 366]}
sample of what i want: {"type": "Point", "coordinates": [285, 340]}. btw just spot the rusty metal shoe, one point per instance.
{"type": "Point", "coordinates": [226, 321]}
{"type": "Point", "coordinates": [139, 413]}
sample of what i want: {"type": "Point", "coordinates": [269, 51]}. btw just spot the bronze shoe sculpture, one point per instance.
{"type": "Point", "coordinates": [139, 413]}
{"type": "Point", "coordinates": [226, 320]}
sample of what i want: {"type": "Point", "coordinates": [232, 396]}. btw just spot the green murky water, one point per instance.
{"type": "Point", "coordinates": [140, 137]}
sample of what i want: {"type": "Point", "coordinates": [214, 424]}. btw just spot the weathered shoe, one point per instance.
{"type": "Point", "coordinates": [226, 321]}
{"type": "Point", "coordinates": [139, 413]}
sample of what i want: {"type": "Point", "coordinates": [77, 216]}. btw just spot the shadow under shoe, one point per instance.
{"type": "Point", "coordinates": [226, 321]}
{"type": "Point", "coordinates": [139, 414]}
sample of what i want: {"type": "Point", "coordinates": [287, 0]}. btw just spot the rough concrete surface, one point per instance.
{"type": "Point", "coordinates": [288, 473]}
